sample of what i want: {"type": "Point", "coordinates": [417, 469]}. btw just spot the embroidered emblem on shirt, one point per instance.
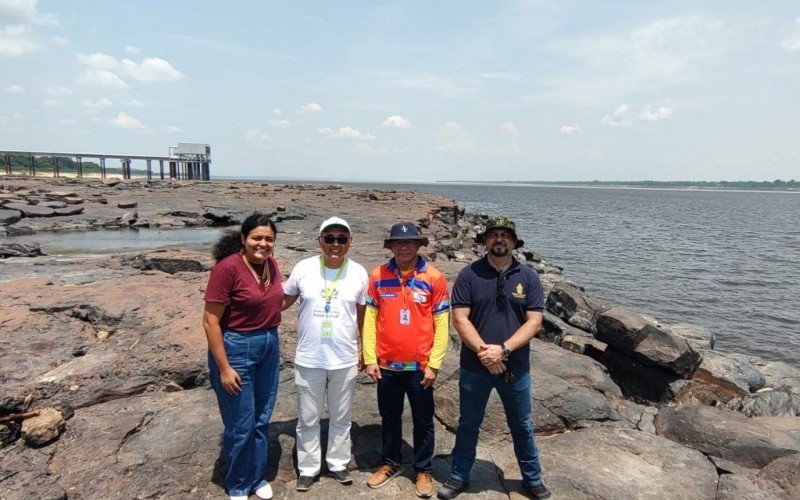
{"type": "Point", "coordinates": [420, 297]}
{"type": "Point", "coordinates": [518, 292]}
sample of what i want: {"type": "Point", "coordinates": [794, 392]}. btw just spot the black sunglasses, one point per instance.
{"type": "Point", "coordinates": [501, 288]}
{"type": "Point", "coordinates": [328, 239]}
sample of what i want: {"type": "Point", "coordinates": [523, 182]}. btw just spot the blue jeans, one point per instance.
{"type": "Point", "coordinates": [392, 389]}
{"type": "Point", "coordinates": [256, 358]}
{"type": "Point", "coordinates": [474, 389]}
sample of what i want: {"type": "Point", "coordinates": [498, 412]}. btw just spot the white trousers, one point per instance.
{"type": "Point", "coordinates": [312, 385]}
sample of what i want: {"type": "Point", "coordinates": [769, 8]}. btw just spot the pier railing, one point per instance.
{"type": "Point", "coordinates": [183, 167]}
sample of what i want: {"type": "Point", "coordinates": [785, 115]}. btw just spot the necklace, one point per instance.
{"type": "Point", "coordinates": [504, 267]}
{"type": "Point", "coordinates": [265, 277]}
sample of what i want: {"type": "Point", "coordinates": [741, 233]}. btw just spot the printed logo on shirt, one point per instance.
{"type": "Point", "coordinates": [420, 297]}
{"type": "Point", "coordinates": [519, 292]}
{"type": "Point", "coordinates": [388, 296]}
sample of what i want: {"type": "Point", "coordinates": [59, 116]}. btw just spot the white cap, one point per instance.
{"type": "Point", "coordinates": [333, 221]}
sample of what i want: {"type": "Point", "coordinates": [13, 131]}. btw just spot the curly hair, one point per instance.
{"type": "Point", "coordinates": [231, 240]}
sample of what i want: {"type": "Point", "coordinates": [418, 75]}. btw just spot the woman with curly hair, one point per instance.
{"type": "Point", "coordinates": [241, 317]}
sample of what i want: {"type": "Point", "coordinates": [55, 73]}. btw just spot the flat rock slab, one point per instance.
{"type": "Point", "coordinates": [610, 463]}
{"type": "Point", "coordinates": [31, 210]}
{"type": "Point", "coordinates": [8, 216]}
{"type": "Point", "coordinates": [751, 443]}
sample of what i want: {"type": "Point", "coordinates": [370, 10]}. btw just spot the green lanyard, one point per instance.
{"type": "Point", "coordinates": [327, 292]}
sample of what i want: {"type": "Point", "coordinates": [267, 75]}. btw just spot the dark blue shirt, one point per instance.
{"type": "Point", "coordinates": [497, 307]}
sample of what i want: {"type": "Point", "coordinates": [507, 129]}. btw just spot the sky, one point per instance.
{"type": "Point", "coordinates": [413, 91]}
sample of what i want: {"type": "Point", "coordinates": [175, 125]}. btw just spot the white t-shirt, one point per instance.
{"type": "Point", "coordinates": [329, 339]}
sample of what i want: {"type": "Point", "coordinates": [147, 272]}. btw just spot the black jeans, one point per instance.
{"type": "Point", "coordinates": [392, 389]}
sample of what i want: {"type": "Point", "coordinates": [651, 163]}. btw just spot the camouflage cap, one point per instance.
{"type": "Point", "coordinates": [501, 223]}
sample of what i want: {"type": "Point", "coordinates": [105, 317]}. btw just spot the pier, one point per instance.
{"type": "Point", "coordinates": [187, 161]}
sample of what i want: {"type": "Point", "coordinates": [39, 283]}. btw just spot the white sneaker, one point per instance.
{"type": "Point", "coordinates": [264, 492]}
{"type": "Point", "coordinates": [239, 497]}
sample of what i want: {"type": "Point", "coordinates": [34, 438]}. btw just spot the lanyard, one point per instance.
{"type": "Point", "coordinates": [327, 292]}
{"type": "Point", "coordinates": [402, 285]}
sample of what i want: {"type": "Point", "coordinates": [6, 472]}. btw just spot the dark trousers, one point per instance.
{"type": "Point", "coordinates": [392, 390]}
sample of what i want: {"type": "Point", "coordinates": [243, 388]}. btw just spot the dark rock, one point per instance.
{"type": "Point", "coordinates": [98, 199]}
{"type": "Point", "coordinates": [779, 402]}
{"type": "Point", "coordinates": [146, 262]}
{"type": "Point", "coordinates": [571, 402]}
{"type": "Point", "coordinates": [221, 218]}
{"type": "Point", "coordinates": [285, 217]}
{"type": "Point", "coordinates": [19, 230]}
{"type": "Point", "coordinates": [20, 250]}
{"type": "Point", "coordinates": [71, 210]}
{"type": "Point", "coordinates": [729, 435]}
{"type": "Point", "coordinates": [73, 201]}
{"type": "Point", "coordinates": [587, 346]}
{"type": "Point", "coordinates": [604, 462]}
{"type": "Point", "coordinates": [31, 210]}
{"type": "Point", "coordinates": [570, 303]}
{"type": "Point", "coordinates": [555, 328]}
{"type": "Point", "coordinates": [8, 217]}
{"type": "Point", "coordinates": [60, 195]}
{"type": "Point", "coordinates": [639, 380]}
{"type": "Point", "coordinates": [731, 369]}
{"type": "Point", "coordinates": [9, 432]}
{"type": "Point", "coordinates": [630, 333]}
{"type": "Point", "coordinates": [127, 204]}
{"type": "Point", "coordinates": [572, 367]}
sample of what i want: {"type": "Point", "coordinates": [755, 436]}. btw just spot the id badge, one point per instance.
{"type": "Point", "coordinates": [327, 329]}
{"type": "Point", "coordinates": [405, 317]}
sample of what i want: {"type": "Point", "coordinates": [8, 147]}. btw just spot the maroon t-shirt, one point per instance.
{"type": "Point", "coordinates": [248, 309]}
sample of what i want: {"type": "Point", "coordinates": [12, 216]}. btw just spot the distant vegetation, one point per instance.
{"type": "Point", "coordinates": [45, 165]}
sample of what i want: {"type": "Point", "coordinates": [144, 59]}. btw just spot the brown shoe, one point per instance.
{"type": "Point", "coordinates": [383, 475]}
{"type": "Point", "coordinates": [423, 486]}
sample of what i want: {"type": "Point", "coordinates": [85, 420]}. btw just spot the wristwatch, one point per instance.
{"type": "Point", "coordinates": [506, 351]}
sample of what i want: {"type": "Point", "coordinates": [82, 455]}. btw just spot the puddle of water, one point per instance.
{"type": "Point", "coordinates": [111, 241]}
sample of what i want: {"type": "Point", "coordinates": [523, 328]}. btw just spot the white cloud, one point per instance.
{"type": "Point", "coordinates": [277, 111]}
{"type": "Point", "coordinates": [172, 129]}
{"type": "Point", "coordinates": [102, 78]}
{"type": "Point", "coordinates": [99, 60]}
{"type": "Point", "coordinates": [453, 137]}
{"type": "Point", "coordinates": [53, 102]}
{"type": "Point", "coordinates": [25, 11]}
{"type": "Point", "coordinates": [132, 49]}
{"type": "Point", "coordinates": [312, 107]}
{"type": "Point", "coordinates": [152, 69]}
{"type": "Point", "coordinates": [17, 40]}
{"type": "Point", "coordinates": [569, 129]}
{"type": "Point", "coordinates": [497, 75]}
{"type": "Point", "coordinates": [792, 43]}
{"type": "Point", "coordinates": [257, 135]}
{"type": "Point", "coordinates": [57, 91]}
{"type": "Point", "coordinates": [127, 122]}
{"type": "Point", "coordinates": [662, 113]}
{"type": "Point", "coordinates": [617, 118]}
{"type": "Point", "coordinates": [346, 132]}
{"type": "Point", "coordinates": [510, 129]}
{"type": "Point", "coordinates": [280, 123]}
{"type": "Point", "coordinates": [67, 121]}
{"type": "Point", "coordinates": [15, 89]}
{"type": "Point", "coordinates": [59, 40]}
{"type": "Point", "coordinates": [443, 86]}
{"type": "Point", "coordinates": [396, 121]}
{"type": "Point", "coordinates": [95, 106]}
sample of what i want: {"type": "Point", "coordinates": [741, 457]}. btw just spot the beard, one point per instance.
{"type": "Point", "coordinates": [499, 250]}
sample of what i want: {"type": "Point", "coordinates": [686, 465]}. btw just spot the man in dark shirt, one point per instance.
{"type": "Point", "coordinates": [497, 309]}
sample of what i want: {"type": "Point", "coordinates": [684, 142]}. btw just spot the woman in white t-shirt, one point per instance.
{"type": "Point", "coordinates": [332, 292]}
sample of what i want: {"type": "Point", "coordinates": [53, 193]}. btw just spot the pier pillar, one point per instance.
{"type": "Point", "coordinates": [102, 168]}
{"type": "Point", "coordinates": [8, 164]}
{"type": "Point", "coordinates": [149, 169]}
{"type": "Point", "coordinates": [32, 166]}
{"type": "Point", "coordinates": [56, 171]}
{"type": "Point", "coordinates": [79, 167]}
{"type": "Point", "coordinates": [161, 168]}
{"type": "Point", "coordinates": [173, 170]}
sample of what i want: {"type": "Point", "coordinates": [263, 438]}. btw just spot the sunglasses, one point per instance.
{"type": "Point", "coordinates": [329, 239]}
{"type": "Point", "coordinates": [501, 289]}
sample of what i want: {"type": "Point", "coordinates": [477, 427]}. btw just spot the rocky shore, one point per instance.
{"type": "Point", "coordinates": [105, 387]}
